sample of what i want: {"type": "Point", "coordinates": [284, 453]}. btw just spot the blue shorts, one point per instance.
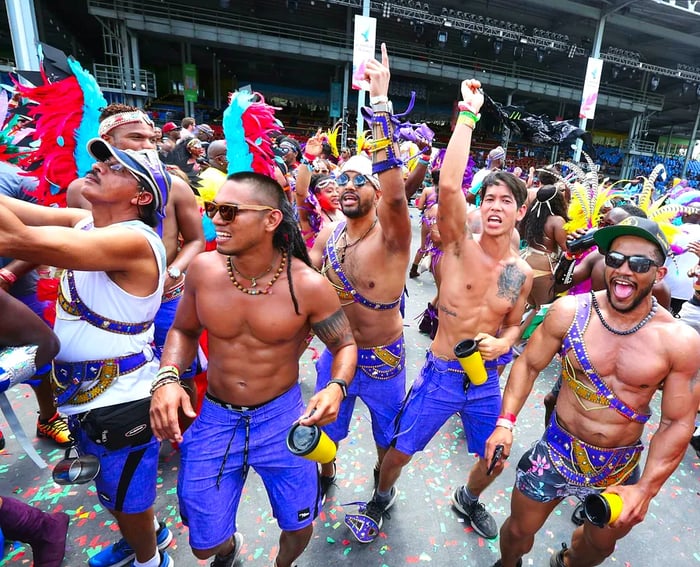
{"type": "Point", "coordinates": [162, 322]}
{"type": "Point", "coordinates": [505, 359]}
{"type": "Point", "coordinates": [381, 386]}
{"type": "Point", "coordinates": [538, 477]}
{"type": "Point", "coordinates": [437, 393]}
{"type": "Point", "coordinates": [127, 478]}
{"type": "Point", "coordinates": [215, 454]}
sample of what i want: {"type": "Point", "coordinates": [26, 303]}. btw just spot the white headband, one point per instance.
{"type": "Point", "coordinates": [131, 117]}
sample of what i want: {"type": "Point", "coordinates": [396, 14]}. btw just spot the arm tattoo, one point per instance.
{"type": "Point", "coordinates": [510, 282]}
{"type": "Point", "coordinates": [334, 331]}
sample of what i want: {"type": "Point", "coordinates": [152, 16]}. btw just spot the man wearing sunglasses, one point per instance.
{"type": "Point", "coordinates": [108, 297]}
{"type": "Point", "coordinates": [366, 258]}
{"type": "Point", "coordinates": [618, 348]}
{"type": "Point", "coordinates": [258, 297]}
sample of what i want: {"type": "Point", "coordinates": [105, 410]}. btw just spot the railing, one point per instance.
{"type": "Point", "coordinates": [113, 78]}
{"type": "Point", "coordinates": [220, 19]}
{"type": "Point", "coordinates": [638, 147]}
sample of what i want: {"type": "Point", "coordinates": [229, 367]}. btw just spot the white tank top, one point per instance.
{"type": "Point", "coordinates": [82, 341]}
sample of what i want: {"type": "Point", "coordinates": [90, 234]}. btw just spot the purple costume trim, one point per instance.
{"type": "Point", "coordinates": [347, 286]}
{"type": "Point", "coordinates": [573, 340]}
{"type": "Point", "coordinates": [76, 307]}
{"type": "Point", "coordinates": [567, 452]}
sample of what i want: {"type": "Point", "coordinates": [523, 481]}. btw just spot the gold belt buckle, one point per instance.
{"type": "Point", "coordinates": [386, 356]}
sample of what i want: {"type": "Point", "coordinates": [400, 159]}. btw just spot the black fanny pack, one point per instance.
{"type": "Point", "coordinates": [119, 426]}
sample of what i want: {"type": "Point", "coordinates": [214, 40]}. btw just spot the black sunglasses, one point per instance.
{"type": "Point", "coordinates": [638, 264]}
{"type": "Point", "coordinates": [228, 211]}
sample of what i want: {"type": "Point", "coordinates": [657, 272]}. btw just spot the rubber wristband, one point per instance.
{"type": "Point", "coordinates": [309, 157]}
{"type": "Point", "coordinates": [425, 162]}
{"type": "Point", "coordinates": [470, 114]}
{"type": "Point", "coordinates": [509, 416]}
{"type": "Point", "coordinates": [466, 121]}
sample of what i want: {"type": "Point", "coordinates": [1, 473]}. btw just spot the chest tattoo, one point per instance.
{"type": "Point", "coordinates": [510, 282]}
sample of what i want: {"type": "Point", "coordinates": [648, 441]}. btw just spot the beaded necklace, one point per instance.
{"type": "Point", "coordinates": [251, 291]}
{"type": "Point", "coordinates": [252, 279]}
{"type": "Point", "coordinates": [649, 316]}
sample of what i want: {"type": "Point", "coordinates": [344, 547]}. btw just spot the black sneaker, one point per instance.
{"type": "Point", "coordinates": [377, 509]}
{"type": "Point", "coordinates": [230, 559]}
{"type": "Point", "coordinates": [482, 522]}
{"type": "Point", "coordinates": [326, 483]}
{"type": "Point", "coordinates": [365, 525]}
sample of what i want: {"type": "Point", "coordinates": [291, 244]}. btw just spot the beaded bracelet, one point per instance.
{"type": "Point", "coordinates": [164, 382]}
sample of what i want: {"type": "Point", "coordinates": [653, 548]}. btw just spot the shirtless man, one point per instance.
{"type": "Point", "coordinates": [617, 349]}
{"type": "Point", "coordinates": [258, 297]}
{"type": "Point", "coordinates": [366, 258]}
{"type": "Point", "coordinates": [484, 296]}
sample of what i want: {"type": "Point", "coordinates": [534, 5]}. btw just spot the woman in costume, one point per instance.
{"type": "Point", "coordinates": [542, 230]}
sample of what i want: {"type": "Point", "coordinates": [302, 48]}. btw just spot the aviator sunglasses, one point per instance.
{"type": "Point", "coordinates": [638, 264]}
{"type": "Point", "coordinates": [358, 181]}
{"type": "Point", "coordinates": [228, 211]}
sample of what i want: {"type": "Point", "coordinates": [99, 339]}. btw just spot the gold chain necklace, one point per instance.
{"type": "Point", "coordinates": [255, 291]}
{"type": "Point", "coordinates": [345, 238]}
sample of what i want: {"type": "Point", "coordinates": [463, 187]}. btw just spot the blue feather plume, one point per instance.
{"type": "Point", "coordinates": [93, 101]}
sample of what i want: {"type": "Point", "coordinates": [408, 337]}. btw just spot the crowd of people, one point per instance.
{"type": "Point", "coordinates": [170, 263]}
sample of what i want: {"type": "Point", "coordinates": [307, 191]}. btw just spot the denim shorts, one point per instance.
{"type": "Point", "coordinates": [216, 453]}
{"type": "Point", "coordinates": [439, 392]}
{"type": "Point", "coordinates": [382, 396]}
{"type": "Point", "coordinates": [127, 478]}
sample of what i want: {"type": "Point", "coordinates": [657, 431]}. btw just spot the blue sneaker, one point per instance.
{"type": "Point", "coordinates": [120, 553]}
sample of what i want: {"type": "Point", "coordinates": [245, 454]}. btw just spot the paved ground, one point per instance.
{"type": "Point", "coordinates": [423, 527]}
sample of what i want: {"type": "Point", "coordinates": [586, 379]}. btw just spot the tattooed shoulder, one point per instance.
{"type": "Point", "coordinates": [510, 282]}
{"type": "Point", "coordinates": [334, 331]}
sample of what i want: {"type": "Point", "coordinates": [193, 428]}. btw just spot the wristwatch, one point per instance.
{"type": "Point", "coordinates": [174, 272]}
{"type": "Point", "coordinates": [341, 383]}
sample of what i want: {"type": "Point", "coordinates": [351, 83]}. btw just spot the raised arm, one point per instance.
{"type": "Point", "coordinates": [452, 217]}
{"type": "Point", "coordinates": [392, 209]}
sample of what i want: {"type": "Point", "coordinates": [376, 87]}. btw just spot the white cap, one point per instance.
{"type": "Point", "coordinates": [362, 165]}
